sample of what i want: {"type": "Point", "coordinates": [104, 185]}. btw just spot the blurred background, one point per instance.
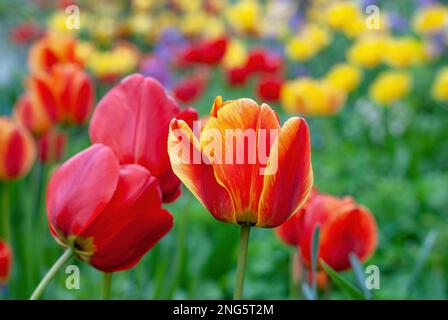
{"type": "Point", "coordinates": [373, 86]}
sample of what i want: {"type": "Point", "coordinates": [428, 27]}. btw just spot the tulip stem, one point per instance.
{"type": "Point", "coordinates": [68, 253]}
{"type": "Point", "coordinates": [5, 211]}
{"type": "Point", "coordinates": [242, 261]}
{"type": "Point", "coordinates": [107, 284]}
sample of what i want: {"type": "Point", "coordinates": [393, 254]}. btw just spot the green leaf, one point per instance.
{"type": "Point", "coordinates": [351, 291]}
{"type": "Point", "coordinates": [421, 260]}
{"type": "Point", "coordinates": [359, 275]}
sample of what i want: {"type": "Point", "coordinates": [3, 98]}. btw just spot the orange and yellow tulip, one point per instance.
{"type": "Point", "coordinates": [17, 150]}
{"type": "Point", "coordinates": [236, 191]}
{"type": "Point", "coordinates": [67, 93]}
{"type": "Point", "coordinates": [30, 112]}
{"type": "Point", "coordinates": [50, 50]}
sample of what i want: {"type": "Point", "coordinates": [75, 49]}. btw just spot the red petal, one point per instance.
{"type": "Point", "coordinates": [131, 224]}
{"type": "Point", "coordinates": [81, 188]}
{"type": "Point", "coordinates": [285, 191]}
{"type": "Point", "coordinates": [353, 231]}
{"type": "Point", "coordinates": [139, 109]}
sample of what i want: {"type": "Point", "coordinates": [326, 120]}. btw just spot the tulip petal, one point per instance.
{"type": "Point", "coordinates": [198, 176]}
{"type": "Point", "coordinates": [240, 174]}
{"type": "Point", "coordinates": [140, 110]}
{"type": "Point", "coordinates": [81, 188]}
{"type": "Point", "coordinates": [360, 237]}
{"type": "Point", "coordinates": [285, 191]}
{"type": "Point", "coordinates": [131, 224]}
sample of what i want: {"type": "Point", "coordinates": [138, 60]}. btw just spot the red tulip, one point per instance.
{"type": "Point", "coordinates": [269, 87]}
{"type": "Point", "coordinates": [237, 191]}
{"type": "Point", "coordinates": [50, 147]}
{"type": "Point", "coordinates": [190, 88]}
{"type": "Point", "coordinates": [30, 112]}
{"type": "Point", "coordinates": [133, 119]}
{"type": "Point", "coordinates": [237, 76]}
{"type": "Point", "coordinates": [261, 60]}
{"type": "Point", "coordinates": [345, 227]}
{"type": "Point", "coordinates": [205, 52]}
{"type": "Point", "coordinates": [288, 231]}
{"type": "Point", "coordinates": [109, 214]}
{"type": "Point", "coordinates": [5, 262]}
{"type": "Point", "coordinates": [17, 150]}
{"type": "Point", "coordinates": [67, 92]}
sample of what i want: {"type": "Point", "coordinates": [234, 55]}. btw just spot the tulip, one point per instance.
{"type": "Point", "coordinates": [390, 86]}
{"type": "Point", "coordinates": [269, 88]}
{"type": "Point", "coordinates": [311, 97]}
{"type": "Point", "coordinates": [439, 88]}
{"type": "Point", "coordinates": [244, 189]}
{"type": "Point", "coordinates": [51, 50]}
{"type": "Point", "coordinates": [190, 88]}
{"type": "Point", "coordinates": [31, 113]}
{"type": "Point", "coordinates": [260, 60]}
{"type": "Point", "coordinates": [237, 76]}
{"type": "Point", "coordinates": [50, 147]}
{"type": "Point", "coordinates": [108, 215]}
{"type": "Point", "coordinates": [67, 92]}
{"type": "Point", "coordinates": [140, 110]}
{"type": "Point", "coordinates": [345, 228]}
{"type": "Point", "coordinates": [206, 52]}
{"type": "Point", "coordinates": [5, 262]}
{"type": "Point", "coordinates": [17, 150]}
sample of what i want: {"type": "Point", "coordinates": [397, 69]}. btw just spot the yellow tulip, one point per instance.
{"type": "Point", "coordinates": [390, 87]}
{"type": "Point", "coordinates": [440, 85]}
{"type": "Point", "coordinates": [344, 76]}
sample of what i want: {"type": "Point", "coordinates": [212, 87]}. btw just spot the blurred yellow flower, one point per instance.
{"type": "Point", "coordinates": [430, 19]}
{"type": "Point", "coordinates": [236, 54]}
{"type": "Point", "coordinates": [390, 86]}
{"type": "Point", "coordinates": [139, 24]}
{"type": "Point", "coordinates": [245, 16]}
{"type": "Point", "coordinates": [311, 97]}
{"type": "Point", "coordinates": [193, 6]}
{"type": "Point", "coordinates": [307, 43]}
{"type": "Point", "coordinates": [344, 76]}
{"type": "Point", "coordinates": [104, 29]}
{"type": "Point", "coordinates": [404, 52]}
{"type": "Point", "coordinates": [57, 23]}
{"type": "Point", "coordinates": [341, 15]}
{"type": "Point", "coordinates": [194, 23]}
{"type": "Point", "coordinates": [119, 61]}
{"type": "Point", "coordinates": [440, 86]}
{"type": "Point", "coordinates": [367, 51]}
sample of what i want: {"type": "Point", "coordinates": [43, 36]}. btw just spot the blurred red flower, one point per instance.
{"type": "Point", "coordinates": [345, 227]}
{"type": "Point", "coordinates": [17, 150]}
{"type": "Point", "coordinates": [263, 61]}
{"type": "Point", "coordinates": [67, 92]}
{"type": "Point", "coordinates": [5, 262]}
{"type": "Point", "coordinates": [25, 32]}
{"type": "Point", "coordinates": [110, 214]}
{"type": "Point", "coordinates": [205, 52]}
{"type": "Point", "coordinates": [237, 76]}
{"type": "Point", "coordinates": [133, 119]}
{"type": "Point", "coordinates": [190, 88]}
{"type": "Point", "coordinates": [51, 146]}
{"type": "Point", "coordinates": [269, 87]}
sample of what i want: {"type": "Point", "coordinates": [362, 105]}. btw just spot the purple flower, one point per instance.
{"type": "Point", "coordinates": [397, 23]}
{"type": "Point", "coordinates": [154, 66]}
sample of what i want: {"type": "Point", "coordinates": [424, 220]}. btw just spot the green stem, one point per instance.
{"type": "Point", "coordinates": [294, 281]}
{"type": "Point", "coordinates": [68, 253]}
{"type": "Point", "coordinates": [242, 261]}
{"type": "Point", "coordinates": [107, 284]}
{"type": "Point", "coordinates": [5, 212]}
